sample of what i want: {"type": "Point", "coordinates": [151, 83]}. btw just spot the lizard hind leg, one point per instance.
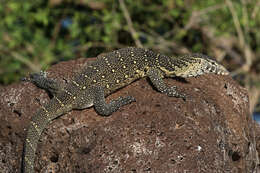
{"type": "Point", "coordinates": [106, 109]}
{"type": "Point", "coordinates": [42, 81]}
{"type": "Point", "coordinates": [155, 77]}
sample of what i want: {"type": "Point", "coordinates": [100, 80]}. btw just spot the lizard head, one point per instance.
{"type": "Point", "coordinates": [198, 64]}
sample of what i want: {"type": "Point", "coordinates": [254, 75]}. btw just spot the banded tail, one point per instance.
{"type": "Point", "coordinates": [38, 123]}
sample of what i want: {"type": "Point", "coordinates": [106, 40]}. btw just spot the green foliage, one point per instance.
{"type": "Point", "coordinates": [37, 33]}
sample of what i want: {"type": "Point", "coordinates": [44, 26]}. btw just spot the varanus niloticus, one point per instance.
{"type": "Point", "coordinates": [105, 75]}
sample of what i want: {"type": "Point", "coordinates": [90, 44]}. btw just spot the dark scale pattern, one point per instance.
{"type": "Point", "coordinates": [169, 63]}
{"type": "Point", "coordinates": [38, 123]}
{"type": "Point", "coordinates": [108, 73]}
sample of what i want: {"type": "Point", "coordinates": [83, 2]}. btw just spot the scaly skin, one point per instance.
{"type": "Point", "coordinates": [108, 73]}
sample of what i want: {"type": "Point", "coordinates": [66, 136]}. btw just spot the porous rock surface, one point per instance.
{"type": "Point", "coordinates": [210, 131]}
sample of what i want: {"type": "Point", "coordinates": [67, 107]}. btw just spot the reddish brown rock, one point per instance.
{"type": "Point", "coordinates": [257, 138]}
{"type": "Point", "coordinates": [211, 131]}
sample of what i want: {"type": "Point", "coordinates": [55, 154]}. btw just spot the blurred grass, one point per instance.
{"type": "Point", "coordinates": [37, 33]}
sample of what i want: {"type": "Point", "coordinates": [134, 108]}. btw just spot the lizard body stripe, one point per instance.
{"type": "Point", "coordinates": [36, 127]}
{"type": "Point", "coordinates": [30, 144]}
{"type": "Point", "coordinates": [74, 82]}
{"type": "Point", "coordinates": [60, 102]}
{"type": "Point", "coordinates": [67, 92]}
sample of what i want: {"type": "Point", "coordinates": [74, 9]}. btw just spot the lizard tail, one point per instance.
{"type": "Point", "coordinates": [38, 123]}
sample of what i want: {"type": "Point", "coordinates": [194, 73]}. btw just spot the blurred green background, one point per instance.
{"type": "Point", "coordinates": [35, 34]}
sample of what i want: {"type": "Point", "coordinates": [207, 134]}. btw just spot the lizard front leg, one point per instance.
{"type": "Point", "coordinates": [104, 108]}
{"type": "Point", "coordinates": [155, 76]}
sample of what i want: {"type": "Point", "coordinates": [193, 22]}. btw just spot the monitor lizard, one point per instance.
{"type": "Point", "coordinates": [105, 75]}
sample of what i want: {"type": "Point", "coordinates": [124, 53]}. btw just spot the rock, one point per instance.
{"type": "Point", "coordinates": [211, 131]}
{"type": "Point", "coordinates": [257, 138]}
